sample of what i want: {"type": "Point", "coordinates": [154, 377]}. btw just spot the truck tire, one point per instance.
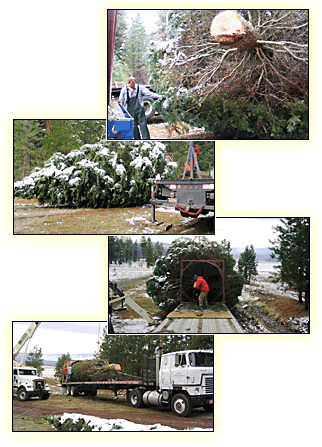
{"type": "Point", "coordinates": [135, 398]}
{"type": "Point", "coordinates": [92, 393]}
{"type": "Point", "coordinates": [181, 405]}
{"type": "Point", "coordinates": [74, 391]}
{"type": "Point", "coordinates": [208, 407]}
{"type": "Point", "coordinates": [45, 396]}
{"type": "Point", "coordinates": [23, 395]}
{"type": "Point", "coordinates": [148, 108]}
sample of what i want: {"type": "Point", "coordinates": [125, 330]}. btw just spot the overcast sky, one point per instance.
{"type": "Point", "coordinates": [238, 231]}
{"type": "Point", "coordinates": [148, 16]}
{"type": "Point", "coordinates": [61, 337]}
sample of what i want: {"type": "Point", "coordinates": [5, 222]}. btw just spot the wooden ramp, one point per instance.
{"type": "Point", "coordinates": [187, 321]}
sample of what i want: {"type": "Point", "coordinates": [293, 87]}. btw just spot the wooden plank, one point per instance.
{"type": "Point", "coordinates": [175, 326]}
{"type": "Point", "coordinates": [190, 326]}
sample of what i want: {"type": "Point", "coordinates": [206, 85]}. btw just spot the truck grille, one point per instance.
{"type": "Point", "coordinates": [39, 384]}
{"type": "Point", "coordinates": [209, 384]}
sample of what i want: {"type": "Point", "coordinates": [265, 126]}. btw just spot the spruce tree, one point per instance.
{"type": "Point", "coordinates": [164, 285]}
{"type": "Point", "coordinates": [292, 249]}
{"type": "Point", "coordinates": [143, 244]}
{"type": "Point", "coordinates": [135, 251]}
{"type": "Point", "coordinates": [34, 359]}
{"type": "Point", "coordinates": [27, 152]}
{"type": "Point", "coordinates": [149, 256]}
{"type": "Point", "coordinates": [134, 50]}
{"type": "Point", "coordinates": [247, 263]}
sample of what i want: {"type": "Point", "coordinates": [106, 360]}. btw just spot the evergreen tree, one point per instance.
{"type": "Point", "coordinates": [149, 256]}
{"type": "Point", "coordinates": [292, 249]}
{"type": "Point", "coordinates": [159, 251]}
{"type": "Point", "coordinates": [112, 249]}
{"type": "Point", "coordinates": [128, 250]}
{"type": "Point", "coordinates": [247, 264]}
{"type": "Point", "coordinates": [164, 285]}
{"type": "Point", "coordinates": [134, 50]}
{"type": "Point", "coordinates": [135, 251]}
{"type": "Point", "coordinates": [34, 359]}
{"type": "Point", "coordinates": [120, 250]}
{"type": "Point", "coordinates": [60, 364]}
{"type": "Point", "coordinates": [59, 136]}
{"type": "Point", "coordinates": [134, 352]}
{"type": "Point", "coordinates": [143, 244]}
{"type": "Point", "coordinates": [119, 31]}
{"type": "Point", "coordinates": [27, 135]}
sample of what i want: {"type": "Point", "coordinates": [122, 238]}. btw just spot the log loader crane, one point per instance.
{"type": "Point", "coordinates": [26, 383]}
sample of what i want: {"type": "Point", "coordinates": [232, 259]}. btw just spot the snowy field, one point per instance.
{"type": "Point", "coordinates": [48, 371]}
{"type": "Point", "coordinates": [100, 424]}
{"type": "Point", "coordinates": [125, 271]}
{"type": "Point", "coordinates": [262, 283]}
{"type": "Point", "coordinates": [133, 325]}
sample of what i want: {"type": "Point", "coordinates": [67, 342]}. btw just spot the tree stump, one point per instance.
{"type": "Point", "coordinates": [229, 28]}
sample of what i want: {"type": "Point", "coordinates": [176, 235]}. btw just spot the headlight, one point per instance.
{"type": "Point", "coordinates": [197, 390]}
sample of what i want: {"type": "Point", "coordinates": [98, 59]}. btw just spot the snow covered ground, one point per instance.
{"type": "Point", "coordinates": [262, 283]}
{"type": "Point", "coordinates": [125, 271]}
{"type": "Point", "coordinates": [133, 325]}
{"type": "Point", "coordinates": [48, 371]}
{"type": "Point", "coordinates": [100, 424]}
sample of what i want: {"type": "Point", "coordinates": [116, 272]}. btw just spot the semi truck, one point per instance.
{"type": "Point", "coordinates": [191, 195]}
{"type": "Point", "coordinates": [181, 380]}
{"type": "Point", "coordinates": [26, 383]}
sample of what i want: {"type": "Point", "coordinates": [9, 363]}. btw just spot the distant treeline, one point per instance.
{"type": "Point", "coordinates": [123, 250]}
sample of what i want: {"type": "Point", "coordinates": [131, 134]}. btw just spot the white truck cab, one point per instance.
{"type": "Point", "coordinates": [185, 380]}
{"type": "Point", "coordinates": [26, 383]}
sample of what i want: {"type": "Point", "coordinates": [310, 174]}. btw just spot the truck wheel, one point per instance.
{"type": "Point", "coordinates": [23, 395]}
{"type": "Point", "coordinates": [148, 108]}
{"type": "Point", "coordinates": [45, 396]}
{"type": "Point", "coordinates": [74, 391]}
{"type": "Point", "coordinates": [92, 393]}
{"type": "Point", "coordinates": [208, 407]}
{"type": "Point", "coordinates": [136, 398]}
{"type": "Point", "coordinates": [181, 405]}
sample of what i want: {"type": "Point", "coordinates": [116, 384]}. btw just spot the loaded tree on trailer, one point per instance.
{"type": "Point", "coordinates": [191, 196]}
{"type": "Point", "coordinates": [182, 380]}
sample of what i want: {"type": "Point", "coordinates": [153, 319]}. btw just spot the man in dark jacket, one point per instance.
{"type": "Point", "coordinates": [201, 284]}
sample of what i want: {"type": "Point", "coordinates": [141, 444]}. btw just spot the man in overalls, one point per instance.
{"type": "Point", "coordinates": [131, 97]}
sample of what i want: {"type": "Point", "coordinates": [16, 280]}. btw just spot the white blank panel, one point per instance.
{"type": "Point", "coordinates": [266, 357]}
{"type": "Point", "coordinates": [53, 56]}
{"type": "Point", "coordinates": [54, 277]}
{"type": "Point", "coordinates": [267, 178]}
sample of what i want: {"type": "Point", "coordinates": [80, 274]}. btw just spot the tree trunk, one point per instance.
{"type": "Point", "coordinates": [229, 28]}
{"type": "Point", "coordinates": [300, 296]}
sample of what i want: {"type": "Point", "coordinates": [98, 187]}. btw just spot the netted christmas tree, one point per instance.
{"type": "Point", "coordinates": [98, 175]}
{"type": "Point", "coordinates": [94, 370]}
{"type": "Point", "coordinates": [164, 285]}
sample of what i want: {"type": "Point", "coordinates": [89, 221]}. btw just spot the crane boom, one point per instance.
{"type": "Point", "coordinates": [26, 336]}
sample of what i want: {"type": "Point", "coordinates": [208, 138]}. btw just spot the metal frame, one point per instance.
{"type": "Point", "coordinates": [218, 263]}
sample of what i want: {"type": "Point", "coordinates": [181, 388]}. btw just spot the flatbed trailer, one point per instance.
{"type": "Point", "coordinates": [181, 380]}
{"type": "Point", "coordinates": [91, 388]}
